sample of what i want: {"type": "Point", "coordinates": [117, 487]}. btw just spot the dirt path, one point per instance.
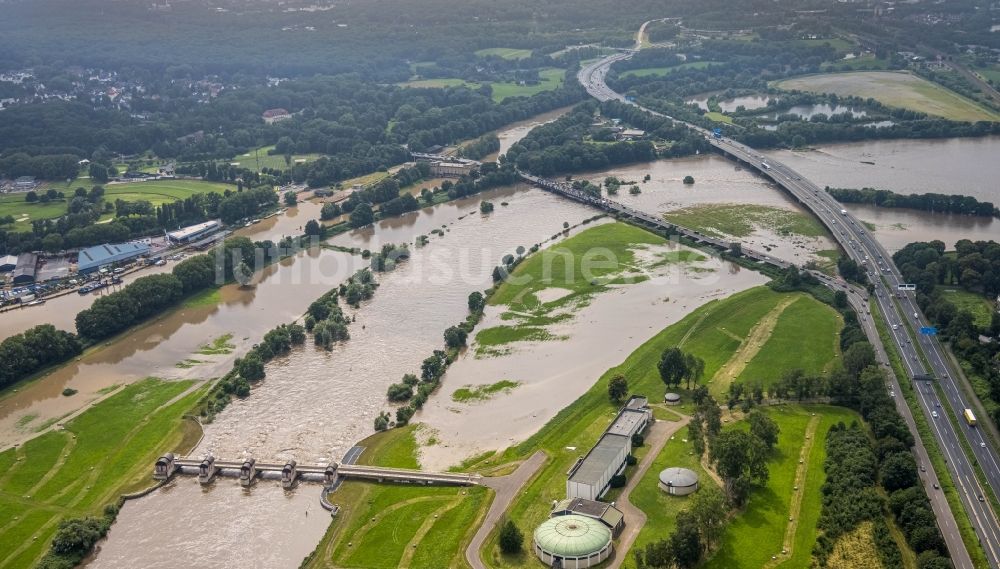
{"type": "Point", "coordinates": [795, 508]}
{"type": "Point", "coordinates": [635, 519]}
{"type": "Point", "coordinates": [751, 345]}
{"type": "Point", "coordinates": [506, 487]}
{"type": "Point", "coordinates": [411, 547]}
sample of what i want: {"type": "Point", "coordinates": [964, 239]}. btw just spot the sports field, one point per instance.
{"type": "Point", "coordinates": [897, 89]}
{"type": "Point", "coordinates": [77, 470]}
{"type": "Point", "coordinates": [259, 158]}
{"type": "Point", "coordinates": [24, 213]}
{"type": "Point", "coordinates": [160, 192]}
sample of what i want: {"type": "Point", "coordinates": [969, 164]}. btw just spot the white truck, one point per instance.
{"type": "Point", "coordinates": [843, 212]}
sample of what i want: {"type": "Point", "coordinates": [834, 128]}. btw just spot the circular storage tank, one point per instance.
{"type": "Point", "coordinates": [576, 541]}
{"type": "Point", "coordinates": [672, 399]}
{"type": "Point", "coordinates": [678, 481]}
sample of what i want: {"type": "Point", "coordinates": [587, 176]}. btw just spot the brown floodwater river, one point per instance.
{"type": "Point", "coordinates": [965, 166]}
{"type": "Point", "coordinates": [315, 404]}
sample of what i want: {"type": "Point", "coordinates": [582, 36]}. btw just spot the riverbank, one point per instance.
{"type": "Point", "coordinates": [77, 469]}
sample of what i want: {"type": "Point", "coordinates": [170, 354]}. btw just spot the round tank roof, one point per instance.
{"type": "Point", "coordinates": [671, 397]}
{"type": "Point", "coordinates": [678, 477]}
{"type": "Point", "coordinates": [572, 536]}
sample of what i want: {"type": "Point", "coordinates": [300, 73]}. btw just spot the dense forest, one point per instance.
{"type": "Point", "coordinates": [940, 203]}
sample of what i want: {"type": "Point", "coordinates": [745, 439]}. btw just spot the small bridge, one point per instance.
{"type": "Point", "coordinates": [567, 190]}
{"type": "Point", "coordinates": [290, 472]}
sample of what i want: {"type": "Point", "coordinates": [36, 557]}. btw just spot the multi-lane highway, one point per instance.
{"type": "Point", "coordinates": [904, 324]}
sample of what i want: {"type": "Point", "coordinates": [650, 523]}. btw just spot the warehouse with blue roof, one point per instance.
{"type": "Point", "coordinates": [93, 258]}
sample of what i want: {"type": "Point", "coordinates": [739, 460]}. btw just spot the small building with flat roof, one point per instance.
{"type": "Point", "coordinates": [193, 232]}
{"type": "Point", "coordinates": [24, 270]}
{"type": "Point", "coordinates": [93, 258]}
{"type": "Point", "coordinates": [591, 475]}
{"type": "Point", "coordinates": [603, 512]}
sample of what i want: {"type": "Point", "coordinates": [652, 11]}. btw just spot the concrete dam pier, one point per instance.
{"type": "Point", "coordinates": [330, 474]}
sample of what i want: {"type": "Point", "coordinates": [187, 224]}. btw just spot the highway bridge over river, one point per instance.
{"type": "Point", "coordinates": [923, 356]}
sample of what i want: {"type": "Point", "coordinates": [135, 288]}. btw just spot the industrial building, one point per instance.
{"type": "Point", "coordinates": [7, 263]}
{"type": "Point", "coordinates": [24, 270]}
{"type": "Point", "coordinates": [572, 542]}
{"type": "Point", "coordinates": [455, 169]}
{"type": "Point", "coordinates": [678, 481]}
{"type": "Point", "coordinates": [603, 512]}
{"type": "Point", "coordinates": [93, 258]}
{"type": "Point", "coordinates": [591, 476]}
{"type": "Point", "coordinates": [193, 232]}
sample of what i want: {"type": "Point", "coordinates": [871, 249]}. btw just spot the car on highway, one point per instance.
{"type": "Point", "coordinates": [982, 445]}
{"type": "Point", "coordinates": [934, 414]}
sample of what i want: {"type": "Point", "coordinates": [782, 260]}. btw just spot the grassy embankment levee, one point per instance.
{"type": "Point", "coordinates": [76, 471]}
{"type": "Point", "coordinates": [578, 426]}
{"type": "Point", "coordinates": [391, 525]}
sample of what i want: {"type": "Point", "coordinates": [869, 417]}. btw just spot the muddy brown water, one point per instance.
{"type": "Point", "coordinates": [315, 404]}
{"type": "Point", "coordinates": [965, 166]}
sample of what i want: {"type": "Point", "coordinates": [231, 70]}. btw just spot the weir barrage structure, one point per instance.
{"type": "Point", "coordinates": [208, 467]}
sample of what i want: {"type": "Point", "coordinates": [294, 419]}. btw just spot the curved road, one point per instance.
{"type": "Point", "coordinates": [904, 326]}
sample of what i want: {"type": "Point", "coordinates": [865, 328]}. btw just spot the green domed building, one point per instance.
{"type": "Point", "coordinates": [575, 541]}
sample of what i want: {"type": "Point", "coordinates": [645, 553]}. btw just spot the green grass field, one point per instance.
{"type": "Point", "coordinates": [550, 80]}
{"type": "Point", "coordinates": [392, 525]}
{"type": "Point", "coordinates": [76, 471]}
{"type": "Point", "coordinates": [979, 306]}
{"type": "Point", "coordinates": [24, 213]}
{"type": "Point", "coordinates": [647, 71]}
{"type": "Point", "coordinates": [801, 319]}
{"type": "Point", "coordinates": [159, 192]}
{"type": "Point", "coordinates": [718, 117]}
{"type": "Point", "coordinates": [896, 89]}
{"type": "Point", "coordinates": [259, 158]}
{"type": "Point", "coordinates": [504, 52]}
{"type": "Point", "coordinates": [740, 220]}
{"type": "Point", "coordinates": [713, 332]}
{"type": "Point", "coordinates": [758, 532]}
{"type": "Point", "coordinates": [400, 526]}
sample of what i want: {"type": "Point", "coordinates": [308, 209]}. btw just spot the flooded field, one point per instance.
{"type": "Point", "coordinates": [552, 374]}
{"type": "Point", "coordinates": [314, 405]}
{"type": "Point", "coordinates": [950, 166]}
{"type": "Point", "coordinates": [717, 181]}
{"type": "Point", "coordinates": [282, 294]}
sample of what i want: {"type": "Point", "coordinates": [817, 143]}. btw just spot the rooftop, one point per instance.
{"type": "Point", "coordinates": [186, 232]}
{"type": "Point", "coordinates": [627, 422]}
{"type": "Point", "coordinates": [594, 465]}
{"type": "Point", "coordinates": [107, 253]}
{"type": "Point", "coordinates": [678, 477]}
{"type": "Point", "coordinates": [607, 513]}
{"type": "Point", "coordinates": [572, 536]}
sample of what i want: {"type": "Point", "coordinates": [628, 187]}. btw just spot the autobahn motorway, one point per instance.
{"type": "Point", "coordinates": [904, 323]}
